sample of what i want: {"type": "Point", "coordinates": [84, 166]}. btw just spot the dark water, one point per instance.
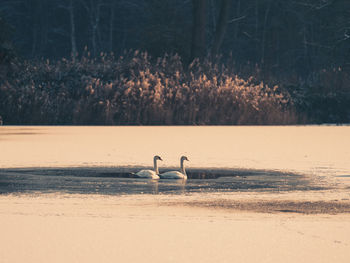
{"type": "Point", "coordinates": [112, 181]}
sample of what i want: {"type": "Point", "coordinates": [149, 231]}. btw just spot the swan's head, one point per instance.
{"type": "Point", "coordinates": [184, 158]}
{"type": "Point", "coordinates": [158, 158]}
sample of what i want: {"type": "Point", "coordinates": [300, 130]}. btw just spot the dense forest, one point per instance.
{"type": "Point", "coordinates": [174, 62]}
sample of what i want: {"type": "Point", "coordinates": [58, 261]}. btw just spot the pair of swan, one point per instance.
{"type": "Point", "coordinates": [154, 174]}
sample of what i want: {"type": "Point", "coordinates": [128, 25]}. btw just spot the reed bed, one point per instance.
{"type": "Point", "coordinates": [134, 89]}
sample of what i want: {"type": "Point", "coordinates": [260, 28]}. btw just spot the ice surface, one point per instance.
{"type": "Point", "coordinates": [61, 200]}
{"type": "Point", "coordinates": [321, 150]}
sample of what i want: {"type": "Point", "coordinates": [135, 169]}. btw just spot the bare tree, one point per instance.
{"type": "Point", "coordinates": [93, 8]}
{"type": "Point", "coordinates": [221, 26]}
{"type": "Point", "coordinates": [198, 48]}
{"type": "Point", "coordinates": [72, 32]}
{"type": "Point", "coordinates": [111, 25]}
{"type": "Point", "coordinates": [69, 7]}
{"type": "Point", "coordinates": [263, 41]}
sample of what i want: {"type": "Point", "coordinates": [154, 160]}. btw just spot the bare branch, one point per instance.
{"type": "Point", "coordinates": [236, 19]}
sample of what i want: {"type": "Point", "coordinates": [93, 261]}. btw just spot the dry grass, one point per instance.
{"type": "Point", "coordinates": [133, 89]}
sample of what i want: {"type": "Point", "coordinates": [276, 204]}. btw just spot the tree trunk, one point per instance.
{"type": "Point", "coordinates": [263, 44]}
{"type": "Point", "coordinates": [35, 40]}
{"type": "Point", "coordinates": [213, 13]}
{"type": "Point", "coordinates": [43, 10]}
{"type": "Point", "coordinates": [198, 30]}
{"type": "Point", "coordinates": [238, 11]}
{"type": "Point", "coordinates": [221, 26]}
{"type": "Point", "coordinates": [111, 27]}
{"type": "Point", "coordinates": [93, 10]}
{"type": "Point", "coordinates": [72, 32]}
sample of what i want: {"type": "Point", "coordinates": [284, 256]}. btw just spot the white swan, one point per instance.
{"type": "Point", "coordinates": [176, 174]}
{"type": "Point", "coordinates": [152, 174]}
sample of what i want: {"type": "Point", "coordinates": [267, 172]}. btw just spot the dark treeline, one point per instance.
{"type": "Point", "coordinates": [302, 35]}
{"type": "Point", "coordinates": [303, 45]}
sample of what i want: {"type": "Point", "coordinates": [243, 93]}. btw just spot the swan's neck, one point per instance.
{"type": "Point", "coordinates": [183, 167]}
{"type": "Point", "coordinates": [155, 166]}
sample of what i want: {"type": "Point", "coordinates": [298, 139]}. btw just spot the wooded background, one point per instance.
{"type": "Point", "coordinates": [301, 46]}
{"type": "Point", "coordinates": [298, 36]}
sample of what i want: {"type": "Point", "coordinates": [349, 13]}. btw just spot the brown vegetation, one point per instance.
{"type": "Point", "coordinates": [133, 89]}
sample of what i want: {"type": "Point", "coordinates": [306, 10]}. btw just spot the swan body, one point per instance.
{"type": "Point", "coordinates": [173, 175]}
{"type": "Point", "coordinates": [176, 174]}
{"type": "Point", "coordinates": [151, 174]}
{"type": "Point", "coordinates": [147, 174]}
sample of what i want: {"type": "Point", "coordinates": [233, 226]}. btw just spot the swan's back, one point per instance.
{"type": "Point", "coordinates": [147, 174]}
{"type": "Point", "coordinates": [173, 175]}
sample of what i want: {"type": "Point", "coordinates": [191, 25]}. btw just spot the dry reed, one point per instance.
{"type": "Point", "coordinates": [134, 89]}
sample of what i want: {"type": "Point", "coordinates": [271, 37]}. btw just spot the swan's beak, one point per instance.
{"type": "Point", "coordinates": [160, 159]}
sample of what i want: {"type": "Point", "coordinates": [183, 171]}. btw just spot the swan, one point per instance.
{"type": "Point", "coordinates": [152, 174]}
{"type": "Point", "coordinates": [176, 174]}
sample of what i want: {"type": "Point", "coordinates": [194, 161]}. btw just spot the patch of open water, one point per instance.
{"type": "Point", "coordinates": [231, 158]}
{"type": "Point", "coordinates": [116, 181]}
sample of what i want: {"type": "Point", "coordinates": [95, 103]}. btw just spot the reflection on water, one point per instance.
{"type": "Point", "coordinates": [104, 181]}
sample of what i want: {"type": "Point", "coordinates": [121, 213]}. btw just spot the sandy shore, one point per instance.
{"type": "Point", "coordinates": [168, 228]}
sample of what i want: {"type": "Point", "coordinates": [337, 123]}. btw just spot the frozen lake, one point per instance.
{"type": "Point", "coordinates": [224, 158]}
{"type": "Point", "coordinates": [254, 194]}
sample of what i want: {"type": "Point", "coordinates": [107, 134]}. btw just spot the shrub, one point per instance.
{"type": "Point", "coordinates": [134, 89]}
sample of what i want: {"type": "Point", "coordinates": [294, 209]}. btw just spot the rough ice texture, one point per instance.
{"type": "Point", "coordinates": [146, 228]}
{"type": "Point", "coordinates": [289, 226]}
